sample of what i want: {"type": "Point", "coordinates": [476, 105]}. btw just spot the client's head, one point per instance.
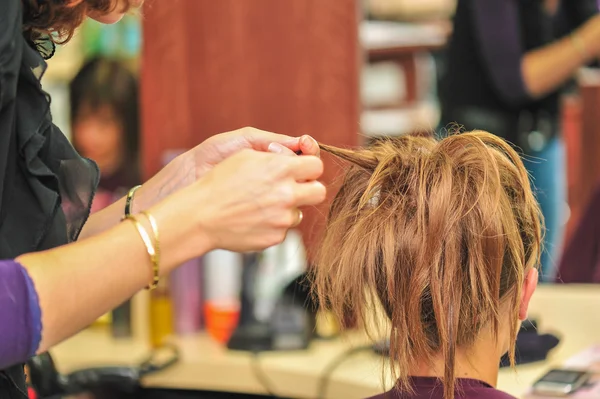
{"type": "Point", "coordinates": [445, 234]}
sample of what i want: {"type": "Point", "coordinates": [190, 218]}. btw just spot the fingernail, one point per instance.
{"type": "Point", "coordinates": [307, 141]}
{"type": "Point", "coordinates": [276, 148]}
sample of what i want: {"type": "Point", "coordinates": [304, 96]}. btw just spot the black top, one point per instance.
{"type": "Point", "coordinates": [432, 388]}
{"type": "Point", "coordinates": [46, 188]}
{"type": "Point", "coordinates": [483, 59]}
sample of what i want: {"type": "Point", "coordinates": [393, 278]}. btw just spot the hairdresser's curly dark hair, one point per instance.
{"type": "Point", "coordinates": [58, 19]}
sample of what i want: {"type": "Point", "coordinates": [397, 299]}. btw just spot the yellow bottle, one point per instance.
{"type": "Point", "coordinates": [161, 314]}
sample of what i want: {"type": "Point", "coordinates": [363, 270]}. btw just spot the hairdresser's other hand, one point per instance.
{"type": "Point", "coordinates": [246, 203]}
{"type": "Point", "coordinates": [195, 163]}
{"type": "Point", "coordinates": [260, 194]}
{"type": "Point", "coordinates": [218, 148]}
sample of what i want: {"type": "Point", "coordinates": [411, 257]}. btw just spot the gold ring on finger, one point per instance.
{"type": "Point", "coordinates": [299, 217]}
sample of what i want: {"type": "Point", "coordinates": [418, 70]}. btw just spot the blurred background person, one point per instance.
{"type": "Point", "coordinates": [505, 68]}
{"type": "Point", "coordinates": [105, 128]}
{"type": "Point", "coordinates": [105, 125]}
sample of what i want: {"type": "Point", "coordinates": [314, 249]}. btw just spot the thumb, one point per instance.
{"type": "Point", "coordinates": [280, 149]}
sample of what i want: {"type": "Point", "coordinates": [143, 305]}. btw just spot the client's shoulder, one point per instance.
{"type": "Point", "coordinates": [487, 393]}
{"type": "Point", "coordinates": [470, 393]}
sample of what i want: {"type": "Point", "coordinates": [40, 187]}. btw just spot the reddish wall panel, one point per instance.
{"type": "Point", "coordinates": [286, 66]}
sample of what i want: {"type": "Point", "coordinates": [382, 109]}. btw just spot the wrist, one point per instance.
{"type": "Point", "coordinates": [182, 231]}
{"type": "Point", "coordinates": [175, 175]}
{"type": "Point", "coordinates": [203, 217]}
{"type": "Point", "coordinates": [203, 225]}
{"type": "Point", "coordinates": [151, 193]}
{"type": "Point", "coordinates": [141, 200]}
{"type": "Point", "coordinates": [589, 38]}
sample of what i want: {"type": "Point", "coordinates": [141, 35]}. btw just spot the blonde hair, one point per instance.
{"type": "Point", "coordinates": [440, 232]}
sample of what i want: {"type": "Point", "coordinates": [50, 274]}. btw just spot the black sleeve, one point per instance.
{"type": "Point", "coordinates": [10, 61]}
{"type": "Point", "coordinates": [496, 27]}
{"type": "Point", "coordinates": [9, 50]}
{"type": "Point", "coordinates": [577, 12]}
{"type": "Point", "coordinates": [46, 187]}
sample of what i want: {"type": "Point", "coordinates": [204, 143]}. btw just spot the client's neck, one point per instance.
{"type": "Point", "coordinates": [480, 361]}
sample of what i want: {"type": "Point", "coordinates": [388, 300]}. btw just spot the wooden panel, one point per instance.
{"type": "Point", "coordinates": [571, 131]}
{"type": "Point", "coordinates": [581, 133]}
{"type": "Point", "coordinates": [286, 66]}
{"type": "Point", "coordinates": [590, 139]}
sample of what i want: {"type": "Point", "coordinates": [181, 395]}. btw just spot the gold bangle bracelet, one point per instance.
{"type": "Point", "coordinates": [129, 201]}
{"type": "Point", "coordinates": [152, 252]}
{"type": "Point", "coordinates": [154, 226]}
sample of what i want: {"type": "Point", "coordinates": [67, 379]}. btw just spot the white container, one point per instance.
{"type": "Point", "coordinates": [223, 277]}
{"type": "Point", "coordinates": [279, 265]}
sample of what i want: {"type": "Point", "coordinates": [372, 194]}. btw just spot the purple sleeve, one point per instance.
{"type": "Point", "coordinates": [497, 31]}
{"type": "Point", "coordinates": [20, 315]}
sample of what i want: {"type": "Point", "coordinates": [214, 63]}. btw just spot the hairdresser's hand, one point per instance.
{"type": "Point", "coordinates": [218, 148]}
{"type": "Point", "coordinates": [259, 198]}
{"type": "Point", "coordinates": [195, 163]}
{"type": "Point", "coordinates": [246, 203]}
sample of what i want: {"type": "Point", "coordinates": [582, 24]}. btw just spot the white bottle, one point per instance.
{"type": "Point", "coordinates": [278, 266]}
{"type": "Point", "coordinates": [222, 285]}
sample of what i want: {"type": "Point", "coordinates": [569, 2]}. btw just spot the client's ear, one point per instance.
{"type": "Point", "coordinates": [529, 285]}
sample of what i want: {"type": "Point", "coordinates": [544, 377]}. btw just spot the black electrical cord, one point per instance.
{"type": "Point", "coordinates": [261, 376]}
{"type": "Point", "coordinates": [14, 384]}
{"type": "Point", "coordinates": [334, 364]}
{"type": "Point", "coordinates": [152, 363]}
{"type": "Point", "coordinates": [47, 382]}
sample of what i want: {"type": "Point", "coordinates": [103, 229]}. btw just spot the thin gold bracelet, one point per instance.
{"type": "Point", "coordinates": [154, 226]}
{"type": "Point", "coordinates": [129, 201]}
{"type": "Point", "coordinates": [152, 252]}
